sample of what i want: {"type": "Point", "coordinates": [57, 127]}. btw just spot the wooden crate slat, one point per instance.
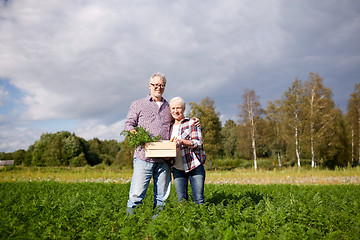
{"type": "Point", "coordinates": [160, 149]}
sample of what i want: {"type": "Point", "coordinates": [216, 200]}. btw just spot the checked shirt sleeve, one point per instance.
{"type": "Point", "coordinates": [192, 156]}
{"type": "Point", "coordinates": [196, 136]}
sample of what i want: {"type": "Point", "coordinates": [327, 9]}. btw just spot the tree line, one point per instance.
{"type": "Point", "coordinates": [303, 126]}
{"type": "Point", "coordinates": [66, 149]}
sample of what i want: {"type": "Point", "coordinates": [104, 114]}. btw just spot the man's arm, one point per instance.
{"type": "Point", "coordinates": [196, 122]}
{"type": "Point", "coordinates": [131, 119]}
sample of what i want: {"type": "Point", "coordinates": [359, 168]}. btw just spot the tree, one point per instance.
{"type": "Point", "coordinates": [229, 138]}
{"type": "Point", "coordinates": [292, 108]}
{"type": "Point", "coordinates": [210, 124]}
{"type": "Point", "coordinates": [243, 144]}
{"type": "Point", "coordinates": [125, 156]}
{"type": "Point", "coordinates": [55, 149]}
{"type": "Point", "coordinates": [274, 117]}
{"type": "Point", "coordinates": [19, 156]}
{"type": "Point", "coordinates": [93, 152]}
{"type": "Point", "coordinates": [319, 114]}
{"type": "Point", "coordinates": [250, 113]}
{"type": "Point", "coordinates": [73, 146]}
{"type": "Point", "coordinates": [333, 144]}
{"type": "Point", "coordinates": [353, 123]}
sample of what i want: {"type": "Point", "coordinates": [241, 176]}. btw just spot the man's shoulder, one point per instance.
{"type": "Point", "coordinates": [141, 100]}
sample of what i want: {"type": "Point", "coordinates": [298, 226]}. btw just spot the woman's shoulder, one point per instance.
{"type": "Point", "coordinates": [187, 121]}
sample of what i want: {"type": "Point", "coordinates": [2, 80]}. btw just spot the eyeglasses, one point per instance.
{"type": "Point", "coordinates": [157, 85]}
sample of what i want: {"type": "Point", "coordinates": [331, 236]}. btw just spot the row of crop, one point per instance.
{"type": "Point", "coordinates": [51, 210]}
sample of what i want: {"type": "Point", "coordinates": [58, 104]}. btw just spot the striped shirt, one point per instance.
{"type": "Point", "coordinates": [192, 156]}
{"type": "Point", "coordinates": [146, 113]}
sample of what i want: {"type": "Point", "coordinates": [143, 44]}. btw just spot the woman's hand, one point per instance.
{"type": "Point", "coordinates": [183, 142]}
{"type": "Point", "coordinates": [179, 142]}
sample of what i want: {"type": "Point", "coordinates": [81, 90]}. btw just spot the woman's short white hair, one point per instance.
{"type": "Point", "coordinates": [179, 100]}
{"type": "Point", "coordinates": [160, 75]}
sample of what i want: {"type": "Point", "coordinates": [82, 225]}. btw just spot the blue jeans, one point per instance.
{"type": "Point", "coordinates": [143, 172]}
{"type": "Point", "coordinates": [197, 181]}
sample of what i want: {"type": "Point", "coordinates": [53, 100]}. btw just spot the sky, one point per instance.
{"type": "Point", "coordinates": [76, 65]}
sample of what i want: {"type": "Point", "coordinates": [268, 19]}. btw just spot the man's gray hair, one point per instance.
{"type": "Point", "coordinates": [160, 75]}
{"type": "Point", "coordinates": [179, 100]}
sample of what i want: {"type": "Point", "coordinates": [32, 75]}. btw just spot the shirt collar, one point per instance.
{"type": "Point", "coordinates": [149, 97]}
{"type": "Point", "coordinates": [185, 120]}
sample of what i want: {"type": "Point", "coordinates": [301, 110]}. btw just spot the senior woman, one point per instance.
{"type": "Point", "coordinates": [190, 157]}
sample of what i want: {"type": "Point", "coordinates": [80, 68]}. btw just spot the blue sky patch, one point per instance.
{"type": "Point", "coordinates": [10, 97]}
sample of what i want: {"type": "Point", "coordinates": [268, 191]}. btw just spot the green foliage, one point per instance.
{"type": "Point", "coordinates": [66, 149]}
{"type": "Point", "coordinates": [211, 126]}
{"type": "Point", "coordinates": [229, 138]}
{"type": "Point", "coordinates": [78, 161]}
{"type": "Point", "coordinates": [6, 156]}
{"type": "Point", "coordinates": [353, 125]}
{"type": "Point", "coordinates": [93, 151]}
{"type": "Point", "coordinates": [124, 158]}
{"type": "Point", "coordinates": [51, 210]}
{"type": "Point", "coordinates": [140, 137]}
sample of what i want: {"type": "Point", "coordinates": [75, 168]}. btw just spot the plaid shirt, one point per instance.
{"type": "Point", "coordinates": [192, 156]}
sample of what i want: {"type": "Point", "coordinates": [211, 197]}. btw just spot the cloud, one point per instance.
{"type": "Point", "coordinates": [85, 61]}
{"type": "Point", "coordinates": [94, 129]}
{"type": "Point", "coordinates": [17, 138]}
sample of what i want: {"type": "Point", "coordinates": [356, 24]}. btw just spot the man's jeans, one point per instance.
{"type": "Point", "coordinates": [197, 180]}
{"type": "Point", "coordinates": [143, 171]}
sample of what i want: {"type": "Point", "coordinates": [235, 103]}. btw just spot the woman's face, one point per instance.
{"type": "Point", "coordinates": [177, 111]}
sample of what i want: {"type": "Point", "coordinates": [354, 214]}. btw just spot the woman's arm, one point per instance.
{"type": "Point", "coordinates": [194, 138]}
{"type": "Point", "coordinates": [184, 142]}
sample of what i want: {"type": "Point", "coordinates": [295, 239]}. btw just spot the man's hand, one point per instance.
{"type": "Point", "coordinates": [196, 122]}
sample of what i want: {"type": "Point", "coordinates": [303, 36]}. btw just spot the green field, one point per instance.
{"type": "Point", "coordinates": [89, 210]}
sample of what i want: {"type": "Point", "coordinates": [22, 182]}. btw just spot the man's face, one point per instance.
{"type": "Point", "coordinates": [157, 87]}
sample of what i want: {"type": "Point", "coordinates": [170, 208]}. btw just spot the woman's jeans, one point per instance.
{"type": "Point", "coordinates": [197, 181]}
{"type": "Point", "coordinates": [143, 172]}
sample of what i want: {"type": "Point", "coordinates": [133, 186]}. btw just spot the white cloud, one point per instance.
{"type": "Point", "coordinates": [87, 60]}
{"type": "Point", "coordinates": [18, 138]}
{"type": "Point", "coordinates": [94, 129]}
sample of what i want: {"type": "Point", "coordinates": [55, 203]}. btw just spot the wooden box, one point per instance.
{"type": "Point", "coordinates": [160, 149]}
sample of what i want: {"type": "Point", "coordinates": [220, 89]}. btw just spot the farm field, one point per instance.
{"type": "Point", "coordinates": [90, 203]}
{"type": "Point", "coordinates": [59, 210]}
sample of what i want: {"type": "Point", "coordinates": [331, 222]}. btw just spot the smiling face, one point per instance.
{"type": "Point", "coordinates": [177, 111]}
{"type": "Point", "coordinates": [157, 87]}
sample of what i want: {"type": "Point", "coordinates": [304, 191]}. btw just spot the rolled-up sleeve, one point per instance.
{"type": "Point", "coordinates": [195, 155]}
{"type": "Point", "coordinates": [192, 133]}
{"type": "Point", "coordinates": [196, 137]}
{"type": "Point", "coordinates": [131, 118]}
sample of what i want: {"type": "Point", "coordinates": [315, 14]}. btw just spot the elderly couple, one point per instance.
{"type": "Point", "coordinates": [158, 116]}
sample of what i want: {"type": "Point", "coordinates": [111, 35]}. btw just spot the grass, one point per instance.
{"type": "Point", "coordinates": [65, 174]}
{"type": "Point", "coordinates": [289, 175]}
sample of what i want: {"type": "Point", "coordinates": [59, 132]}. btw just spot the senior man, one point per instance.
{"type": "Point", "coordinates": [153, 114]}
